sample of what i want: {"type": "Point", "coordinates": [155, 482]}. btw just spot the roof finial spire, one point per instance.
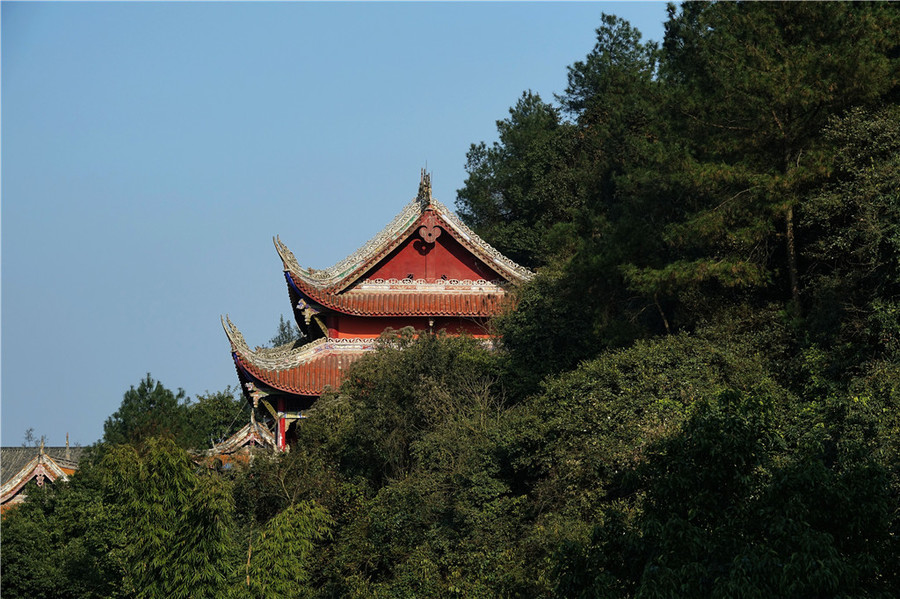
{"type": "Point", "coordinates": [424, 196]}
{"type": "Point", "coordinates": [68, 455]}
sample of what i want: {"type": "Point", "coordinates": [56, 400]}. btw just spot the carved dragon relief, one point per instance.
{"type": "Point", "coordinates": [254, 393]}
{"type": "Point", "coordinates": [307, 310]}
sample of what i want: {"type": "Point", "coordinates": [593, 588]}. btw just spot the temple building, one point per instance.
{"type": "Point", "coordinates": [19, 466]}
{"type": "Point", "coordinates": [425, 270]}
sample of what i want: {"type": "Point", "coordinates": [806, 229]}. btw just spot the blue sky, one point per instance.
{"type": "Point", "coordinates": [150, 151]}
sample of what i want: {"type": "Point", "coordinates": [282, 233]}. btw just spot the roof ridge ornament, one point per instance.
{"type": "Point", "coordinates": [424, 197]}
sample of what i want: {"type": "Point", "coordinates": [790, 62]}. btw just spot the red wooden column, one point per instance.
{"type": "Point", "coordinates": [281, 425]}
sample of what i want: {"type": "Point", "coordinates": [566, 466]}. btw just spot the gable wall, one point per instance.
{"type": "Point", "coordinates": [429, 261]}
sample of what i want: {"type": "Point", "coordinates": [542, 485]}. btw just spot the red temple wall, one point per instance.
{"type": "Point", "coordinates": [348, 326]}
{"type": "Point", "coordinates": [430, 261]}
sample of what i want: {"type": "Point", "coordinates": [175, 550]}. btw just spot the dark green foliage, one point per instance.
{"type": "Point", "coordinates": [131, 523]}
{"type": "Point", "coordinates": [742, 503]}
{"type": "Point", "coordinates": [590, 425]}
{"type": "Point", "coordinates": [64, 541]}
{"type": "Point", "coordinates": [404, 390]}
{"type": "Point", "coordinates": [546, 333]}
{"type": "Point", "coordinates": [30, 550]}
{"type": "Point", "coordinates": [854, 229]}
{"type": "Point", "coordinates": [150, 410]}
{"type": "Point", "coordinates": [178, 522]}
{"type": "Point", "coordinates": [425, 509]}
{"type": "Point", "coordinates": [520, 187]}
{"type": "Point", "coordinates": [284, 550]}
{"type": "Point", "coordinates": [581, 304]}
{"type": "Point", "coordinates": [754, 85]}
{"type": "Point", "coordinates": [213, 417]}
{"type": "Point", "coordinates": [618, 59]}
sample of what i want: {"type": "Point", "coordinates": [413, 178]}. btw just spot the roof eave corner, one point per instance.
{"type": "Point", "coordinates": [288, 260]}
{"type": "Point", "coordinates": [235, 337]}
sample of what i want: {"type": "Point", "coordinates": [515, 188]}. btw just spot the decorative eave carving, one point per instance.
{"type": "Point", "coordinates": [291, 355]}
{"type": "Point", "coordinates": [286, 255]}
{"type": "Point", "coordinates": [282, 357]}
{"type": "Point", "coordinates": [252, 433]}
{"type": "Point", "coordinates": [420, 285]}
{"type": "Point", "coordinates": [411, 297]}
{"type": "Point", "coordinates": [518, 272]}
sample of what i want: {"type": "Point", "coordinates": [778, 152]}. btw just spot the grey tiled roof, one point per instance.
{"type": "Point", "coordinates": [13, 459]}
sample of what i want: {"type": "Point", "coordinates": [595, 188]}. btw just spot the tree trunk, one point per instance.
{"type": "Point", "coordinates": [789, 228]}
{"type": "Point", "coordinates": [792, 255]}
{"type": "Point", "coordinates": [662, 314]}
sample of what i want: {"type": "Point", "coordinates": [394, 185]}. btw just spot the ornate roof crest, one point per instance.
{"type": "Point", "coordinates": [424, 197]}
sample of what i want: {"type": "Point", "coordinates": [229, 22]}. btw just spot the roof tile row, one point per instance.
{"type": "Point", "coordinates": [400, 303]}
{"type": "Point", "coordinates": [311, 378]}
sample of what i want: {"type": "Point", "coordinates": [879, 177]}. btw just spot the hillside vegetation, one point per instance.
{"type": "Point", "coordinates": [698, 395]}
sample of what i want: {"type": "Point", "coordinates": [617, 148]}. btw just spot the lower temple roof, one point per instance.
{"type": "Point", "coordinates": [299, 369]}
{"type": "Point", "coordinates": [322, 371]}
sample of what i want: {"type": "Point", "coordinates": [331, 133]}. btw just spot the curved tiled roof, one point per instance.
{"type": "Point", "coordinates": [305, 369]}
{"type": "Point", "coordinates": [345, 272]}
{"type": "Point", "coordinates": [21, 464]}
{"type": "Point", "coordinates": [252, 434]}
{"type": "Point", "coordinates": [313, 378]}
{"type": "Point", "coordinates": [395, 300]}
{"type": "Point", "coordinates": [13, 459]}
